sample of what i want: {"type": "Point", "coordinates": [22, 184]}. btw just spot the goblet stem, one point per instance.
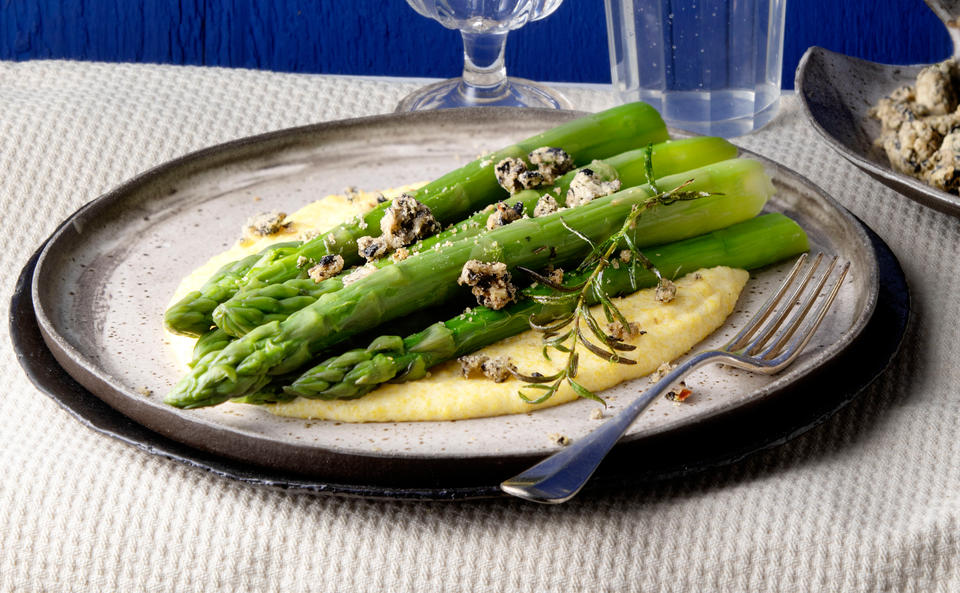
{"type": "Point", "coordinates": [484, 81]}
{"type": "Point", "coordinates": [484, 72]}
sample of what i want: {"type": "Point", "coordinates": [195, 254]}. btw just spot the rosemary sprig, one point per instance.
{"type": "Point", "coordinates": [578, 326]}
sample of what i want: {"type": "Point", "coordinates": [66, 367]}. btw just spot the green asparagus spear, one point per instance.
{"type": "Point", "coordinates": [748, 245]}
{"type": "Point", "coordinates": [450, 198]}
{"type": "Point", "coordinates": [275, 302]}
{"type": "Point", "coordinates": [210, 342]}
{"type": "Point", "coordinates": [429, 278]}
{"type": "Point", "coordinates": [192, 315]}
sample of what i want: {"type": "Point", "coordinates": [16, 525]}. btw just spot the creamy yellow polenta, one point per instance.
{"type": "Point", "coordinates": [704, 300]}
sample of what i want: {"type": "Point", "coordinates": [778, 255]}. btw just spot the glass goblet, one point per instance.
{"type": "Point", "coordinates": [484, 25]}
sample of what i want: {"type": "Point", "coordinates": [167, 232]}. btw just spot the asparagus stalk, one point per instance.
{"type": "Point", "coordinates": [191, 315]}
{"type": "Point", "coordinates": [429, 278]}
{"type": "Point", "coordinates": [275, 302]}
{"type": "Point", "coordinates": [450, 198]}
{"type": "Point", "coordinates": [210, 343]}
{"type": "Point", "coordinates": [750, 244]}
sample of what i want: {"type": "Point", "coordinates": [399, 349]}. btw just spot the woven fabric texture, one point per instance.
{"type": "Point", "coordinates": [868, 501]}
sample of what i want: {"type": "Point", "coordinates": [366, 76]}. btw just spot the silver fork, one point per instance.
{"type": "Point", "coordinates": [761, 347]}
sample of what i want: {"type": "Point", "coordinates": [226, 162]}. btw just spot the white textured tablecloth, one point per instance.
{"type": "Point", "coordinates": [869, 501]}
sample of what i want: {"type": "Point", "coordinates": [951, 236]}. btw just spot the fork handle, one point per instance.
{"type": "Point", "coordinates": [559, 477]}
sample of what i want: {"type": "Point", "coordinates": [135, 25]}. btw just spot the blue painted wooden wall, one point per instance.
{"type": "Point", "coordinates": [385, 37]}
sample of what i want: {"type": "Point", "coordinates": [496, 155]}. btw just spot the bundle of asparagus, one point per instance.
{"type": "Point", "coordinates": [252, 308]}
{"type": "Point", "coordinates": [449, 198]}
{"type": "Point", "coordinates": [748, 245]}
{"type": "Point", "coordinates": [283, 322]}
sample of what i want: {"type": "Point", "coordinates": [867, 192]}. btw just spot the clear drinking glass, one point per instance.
{"type": "Point", "coordinates": [484, 25]}
{"type": "Point", "coordinates": [708, 66]}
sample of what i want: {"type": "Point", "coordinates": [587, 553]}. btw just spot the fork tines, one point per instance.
{"type": "Point", "coordinates": [784, 326]}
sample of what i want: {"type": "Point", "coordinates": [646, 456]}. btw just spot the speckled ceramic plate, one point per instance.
{"type": "Point", "coordinates": [104, 277]}
{"type": "Point", "coordinates": [837, 91]}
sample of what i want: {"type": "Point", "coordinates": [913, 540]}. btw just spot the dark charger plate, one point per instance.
{"type": "Point", "coordinates": [719, 440]}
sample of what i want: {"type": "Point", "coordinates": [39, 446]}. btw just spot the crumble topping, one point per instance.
{"type": "Point", "coordinates": [371, 248]}
{"type": "Point", "coordinates": [555, 275]}
{"type": "Point", "coordinates": [559, 439]}
{"type": "Point", "coordinates": [359, 273]}
{"type": "Point", "coordinates": [265, 224]}
{"type": "Point", "coordinates": [912, 145]}
{"type": "Point", "coordinates": [616, 329]}
{"type": "Point", "coordinates": [666, 291]}
{"type": "Point", "coordinates": [497, 369]}
{"type": "Point", "coordinates": [551, 162]}
{"type": "Point", "coordinates": [308, 235]}
{"type": "Point", "coordinates": [661, 371]}
{"type": "Point", "coordinates": [547, 204]}
{"type": "Point", "coordinates": [328, 267]}
{"type": "Point", "coordinates": [945, 164]}
{"type": "Point", "coordinates": [400, 254]}
{"type": "Point", "coordinates": [596, 414]}
{"type": "Point", "coordinates": [407, 220]}
{"type": "Point", "coordinates": [404, 222]}
{"type": "Point", "coordinates": [530, 179]}
{"type": "Point", "coordinates": [896, 108]}
{"type": "Point", "coordinates": [508, 174]}
{"type": "Point", "coordinates": [304, 262]}
{"type": "Point", "coordinates": [587, 186]}
{"type": "Point", "coordinates": [489, 282]}
{"type": "Point", "coordinates": [505, 214]}
{"type": "Point", "coordinates": [918, 124]}
{"type": "Point", "coordinates": [513, 175]}
{"type": "Point", "coordinates": [934, 91]}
